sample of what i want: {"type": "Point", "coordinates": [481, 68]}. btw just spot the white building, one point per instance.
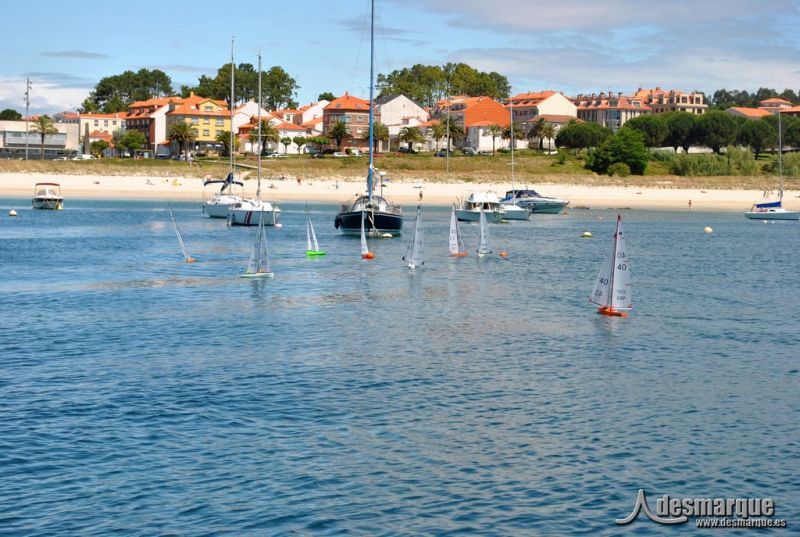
{"type": "Point", "coordinates": [397, 112]}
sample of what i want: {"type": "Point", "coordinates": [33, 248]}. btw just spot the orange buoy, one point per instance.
{"type": "Point", "coordinates": [611, 312]}
{"type": "Point", "coordinates": [503, 254]}
{"type": "Point", "coordinates": [191, 260]}
{"type": "Point", "coordinates": [368, 255]}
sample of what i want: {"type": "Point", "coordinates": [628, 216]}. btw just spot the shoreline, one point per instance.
{"type": "Point", "coordinates": [21, 185]}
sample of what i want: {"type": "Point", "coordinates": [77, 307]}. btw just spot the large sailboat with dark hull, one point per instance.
{"type": "Point", "coordinates": [379, 216]}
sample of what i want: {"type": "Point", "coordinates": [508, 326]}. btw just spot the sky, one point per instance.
{"type": "Point", "coordinates": [575, 46]}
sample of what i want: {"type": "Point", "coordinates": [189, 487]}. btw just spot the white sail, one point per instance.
{"type": "Point", "coordinates": [612, 289]}
{"type": "Point", "coordinates": [259, 255]}
{"type": "Point", "coordinates": [483, 243]}
{"type": "Point", "coordinates": [364, 247]}
{"type": "Point", "coordinates": [453, 246]}
{"type": "Point", "coordinates": [413, 257]}
{"type": "Point", "coordinates": [313, 236]}
{"type": "Point", "coordinates": [309, 231]}
{"type": "Point", "coordinates": [180, 238]}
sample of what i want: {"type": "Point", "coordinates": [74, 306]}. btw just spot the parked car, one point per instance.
{"type": "Point", "coordinates": [443, 153]}
{"type": "Point", "coordinates": [162, 157]}
{"type": "Point", "coordinates": [339, 154]}
{"type": "Point", "coordinates": [469, 151]}
{"type": "Point", "coordinates": [84, 157]}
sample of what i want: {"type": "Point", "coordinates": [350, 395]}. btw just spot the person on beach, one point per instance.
{"type": "Point", "coordinates": [420, 195]}
{"type": "Point", "coordinates": [690, 205]}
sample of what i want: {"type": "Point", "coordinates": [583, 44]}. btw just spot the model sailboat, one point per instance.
{"type": "Point", "coordinates": [413, 257]}
{"type": "Point", "coordinates": [483, 242]}
{"type": "Point", "coordinates": [258, 266]}
{"type": "Point", "coordinates": [456, 246]}
{"type": "Point", "coordinates": [312, 246]}
{"type": "Point", "coordinates": [365, 253]}
{"type": "Point", "coordinates": [612, 290]}
{"type": "Point", "coordinates": [188, 258]}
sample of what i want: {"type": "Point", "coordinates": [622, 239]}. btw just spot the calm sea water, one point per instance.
{"type": "Point", "coordinates": [143, 396]}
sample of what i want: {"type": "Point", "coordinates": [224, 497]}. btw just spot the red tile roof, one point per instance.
{"type": "Point", "coordinates": [749, 112]}
{"type": "Point", "coordinates": [348, 102]}
{"type": "Point", "coordinates": [775, 100]}
{"type": "Point", "coordinates": [186, 110]}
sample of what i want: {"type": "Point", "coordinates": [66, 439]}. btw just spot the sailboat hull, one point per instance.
{"type": "Point", "coordinates": [779, 214]}
{"type": "Point", "coordinates": [349, 223]}
{"type": "Point", "coordinates": [244, 217]}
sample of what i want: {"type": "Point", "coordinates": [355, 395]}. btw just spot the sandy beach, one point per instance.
{"type": "Point", "coordinates": [21, 185]}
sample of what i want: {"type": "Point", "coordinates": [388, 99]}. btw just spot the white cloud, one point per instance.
{"type": "Point", "coordinates": [46, 97]}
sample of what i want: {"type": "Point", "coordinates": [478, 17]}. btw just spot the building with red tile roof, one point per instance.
{"type": "Point", "coordinates": [530, 105]}
{"type": "Point", "coordinates": [749, 113]}
{"type": "Point", "coordinates": [354, 113]}
{"type": "Point", "coordinates": [775, 104]}
{"type": "Point", "coordinates": [609, 110]}
{"type": "Point", "coordinates": [661, 101]}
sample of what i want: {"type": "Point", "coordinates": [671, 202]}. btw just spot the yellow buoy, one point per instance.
{"type": "Point", "coordinates": [708, 229]}
{"type": "Point", "coordinates": [12, 212]}
{"type": "Point", "coordinates": [586, 235]}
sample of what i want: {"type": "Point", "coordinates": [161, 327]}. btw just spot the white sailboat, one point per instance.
{"type": "Point", "coordinates": [218, 205]}
{"type": "Point", "coordinates": [510, 207]}
{"type": "Point", "coordinates": [249, 212]}
{"type": "Point", "coordinates": [312, 246]}
{"type": "Point", "coordinates": [483, 242]}
{"type": "Point", "coordinates": [612, 289]}
{"type": "Point", "coordinates": [413, 257]}
{"type": "Point", "coordinates": [773, 210]}
{"type": "Point", "coordinates": [365, 253]}
{"type": "Point", "coordinates": [188, 258]}
{"type": "Point", "coordinates": [258, 266]}
{"type": "Point", "coordinates": [456, 246]}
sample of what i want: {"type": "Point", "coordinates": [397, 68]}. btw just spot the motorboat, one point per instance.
{"type": "Point", "coordinates": [535, 202]}
{"type": "Point", "coordinates": [48, 196]}
{"type": "Point", "coordinates": [470, 210]}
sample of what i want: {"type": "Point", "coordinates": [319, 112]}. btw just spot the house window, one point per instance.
{"type": "Point", "coordinates": [195, 121]}
{"type": "Point", "coordinates": [114, 123]}
{"type": "Point", "coordinates": [205, 132]}
{"type": "Point", "coordinates": [220, 123]}
{"type": "Point", "coordinates": [348, 119]}
{"type": "Point", "coordinates": [206, 121]}
{"type": "Point", "coordinates": [208, 108]}
{"type": "Point", "coordinates": [96, 122]}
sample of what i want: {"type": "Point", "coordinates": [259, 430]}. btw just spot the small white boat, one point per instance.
{"type": "Point", "coordinates": [312, 246]}
{"type": "Point", "coordinates": [258, 266]}
{"type": "Point", "coordinates": [513, 211]}
{"type": "Point", "coordinates": [217, 206]}
{"type": "Point", "coordinates": [612, 289]}
{"type": "Point", "coordinates": [249, 212]}
{"type": "Point", "coordinates": [456, 242]}
{"type": "Point", "coordinates": [477, 202]}
{"type": "Point", "coordinates": [413, 257]}
{"type": "Point", "coordinates": [483, 239]}
{"type": "Point", "coordinates": [48, 196]}
{"type": "Point", "coordinates": [773, 210]}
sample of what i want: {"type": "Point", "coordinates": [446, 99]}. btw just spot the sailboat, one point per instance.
{"type": "Point", "coordinates": [365, 253]}
{"type": "Point", "coordinates": [456, 245]}
{"type": "Point", "coordinates": [512, 211]}
{"type": "Point", "coordinates": [249, 212]}
{"type": "Point", "coordinates": [312, 246]}
{"type": "Point", "coordinates": [413, 257]}
{"type": "Point", "coordinates": [612, 290]}
{"type": "Point", "coordinates": [258, 266]}
{"type": "Point", "coordinates": [188, 258]}
{"type": "Point", "coordinates": [773, 210]}
{"type": "Point", "coordinates": [483, 242]}
{"type": "Point", "coordinates": [382, 217]}
{"type": "Point", "coordinates": [218, 205]}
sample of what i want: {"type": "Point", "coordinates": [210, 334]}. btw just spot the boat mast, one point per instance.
{"type": "Point", "coordinates": [230, 148]}
{"type": "Point", "coordinates": [371, 98]}
{"type": "Point", "coordinates": [613, 266]}
{"type": "Point", "coordinates": [258, 116]}
{"type": "Point", "coordinates": [27, 108]}
{"type": "Point", "coordinates": [511, 126]}
{"type": "Point", "coordinates": [780, 153]}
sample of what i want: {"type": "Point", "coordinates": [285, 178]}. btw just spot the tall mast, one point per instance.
{"type": "Point", "coordinates": [780, 152]}
{"type": "Point", "coordinates": [27, 107]}
{"type": "Point", "coordinates": [511, 127]}
{"type": "Point", "coordinates": [230, 150]}
{"type": "Point", "coordinates": [371, 97]}
{"type": "Point", "coordinates": [258, 192]}
{"type": "Point", "coordinates": [613, 266]}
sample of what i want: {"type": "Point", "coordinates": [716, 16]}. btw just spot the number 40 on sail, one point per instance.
{"type": "Point", "coordinates": [612, 289]}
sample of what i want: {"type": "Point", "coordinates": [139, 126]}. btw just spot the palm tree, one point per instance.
{"type": "Point", "coordinates": [535, 132]}
{"type": "Point", "coordinates": [224, 138]}
{"type": "Point", "coordinates": [43, 126]}
{"type": "Point", "coordinates": [496, 131]}
{"type": "Point", "coordinates": [519, 132]}
{"type": "Point", "coordinates": [380, 133]}
{"type": "Point", "coordinates": [181, 133]}
{"type": "Point", "coordinates": [411, 135]}
{"type": "Point", "coordinates": [268, 134]}
{"type": "Point", "coordinates": [548, 132]}
{"type": "Point", "coordinates": [438, 132]}
{"type": "Point", "coordinates": [338, 131]}
{"type": "Point", "coordinates": [454, 128]}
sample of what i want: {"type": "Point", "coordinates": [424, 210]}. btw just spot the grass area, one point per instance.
{"type": "Point", "coordinates": [531, 168]}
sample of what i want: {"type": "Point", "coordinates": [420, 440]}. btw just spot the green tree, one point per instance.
{"type": "Point", "coordinates": [454, 129]}
{"type": "Point", "coordinates": [715, 130]}
{"type": "Point", "coordinates": [438, 131]}
{"type": "Point", "coordinates": [115, 93]}
{"type": "Point", "coordinates": [132, 141]}
{"type": "Point", "coordinates": [626, 146]}
{"type": "Point", "coordinates": [299, 141]}
{"type": "Point", "coordinates": [547, 132]}
{"type": "Point", "coordinates": [224, 138]}
{"type": "Point", "coordinates": [380, 133]}
{"type": "Point", "coordinates": [286, 141]}
{"type": "Point", "coordinates": [277, 88]}
{"type": "Point", "coordinates": [791, 131]}
{"type": "Point", "coordinates": [680, 130]}
{"type": "Point", "coordinates": [43, 126]}
{"type": "Point", "coordinates": [182, 134]}
{"type": "Point", "coordinates": [426, 84]}
{"type": "Point", "coordinates": [758, 135]}
{"type": "Point", "coordinates": [653, 127]}
{"type": "Point", "coordinates": [338, 131]}
{"type": "Point", "coordinates": [98, 146]}
{"type": "Point", "coordinates": [326, 96]}
{"type": "Point", "coordinates": [579, 136]}
{"type": "Point", "coordinates": [411, 136]}
{"type": "Point", "coordinates": [10, 114]}
{"type": "Point", "coordinates": [496, 131]}
{"type": "Point", "coordinates": [519, 132]}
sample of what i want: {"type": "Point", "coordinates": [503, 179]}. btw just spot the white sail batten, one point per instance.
{"type": "Point", "coordinates": [483, 243]}
{"type": "Point", "coordinates": [413, 257]}
{"type": "Point", "coordinates": [453, 246]}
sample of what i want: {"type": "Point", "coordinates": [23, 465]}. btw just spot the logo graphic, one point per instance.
{"type": "Point", "coordinates": [641, 505]}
